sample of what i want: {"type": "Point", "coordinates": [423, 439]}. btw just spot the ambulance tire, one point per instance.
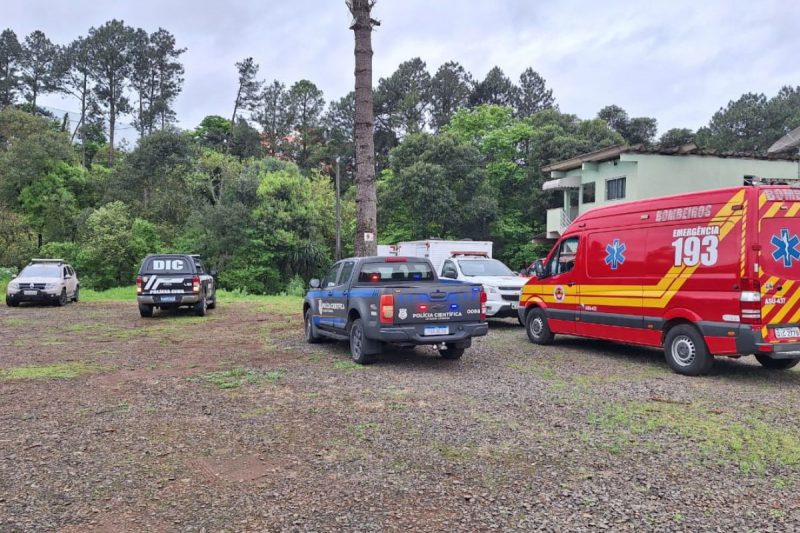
{"type": "Point", "coordinates": [686, 351]}
{"type": "Point", "coordinates": [537, 328]}
{"type": "Point", "coordinates": [776, 364]}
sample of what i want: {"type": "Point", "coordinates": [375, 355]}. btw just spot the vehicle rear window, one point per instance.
{"type": "Point", "coordinates": [167, 265]}
{"type": "Point", "coordinates": [395, 272]}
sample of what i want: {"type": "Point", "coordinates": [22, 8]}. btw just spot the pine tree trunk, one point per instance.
{"type": "Point", "coordinates": [366, 200]}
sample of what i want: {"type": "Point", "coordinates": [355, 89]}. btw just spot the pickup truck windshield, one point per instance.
{"type": "Point", "coordinates": [484, 267]}
{"type": "Point", "coordinates": [395, 272]}
{"type": "Point", "coordinates": [167, 265]}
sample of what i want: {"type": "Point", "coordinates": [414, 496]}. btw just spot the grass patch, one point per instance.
{"type": "Point", "coordinates": [117, 294]}
{"type": "Point", "coordinates": [749, 442]}
{"type": "Point", "coordinates": [14, 322]}
{"type": "Point", "coordinates": [57, 371]}
{"type": "Point", "coordinates": [236, 377]}
{"type": "Point", "coordinates": [347, 366]}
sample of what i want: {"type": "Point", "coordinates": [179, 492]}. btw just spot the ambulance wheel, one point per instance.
{"type": "Point", "coordinates": [537, 328]}
{"type": "Point", "coordinates": [686, 351]}
{"type": "Point", "coordinates": [776, 364]}
{"type": "Point", "coordinates": [311, 330]}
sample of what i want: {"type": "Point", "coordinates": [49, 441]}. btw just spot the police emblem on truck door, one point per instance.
{"type": "Point", "coordinates": [402, 314]}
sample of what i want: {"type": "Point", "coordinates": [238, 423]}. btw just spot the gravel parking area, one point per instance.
{"type": "Point", "coordinates": [110, 422]}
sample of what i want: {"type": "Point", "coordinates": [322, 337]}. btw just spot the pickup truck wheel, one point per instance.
{"type": "Point", "coordinates": [776, 364]}
{"type": "Point", "coordinates": [201, 306]}
{"type": "Point", "coordinates": [11, 303]}
{"type": "Point", "coordinates": [451, 352]}
{"type": "Point", "coordinates": [62, 299]}
{"type": "Point", "coordinates": [77, 296]}
{"type": "Point", "coordinates": [213, 303]}
{"type": "Point", "coordinates": [146, 311]}
{"type": "Point", "coordinates": [686, 351]}
{"type": "Point", "coordinates": [358, 343]}
{"type": "Point", "coordinates": [311, 330]}
{"type": "Point", "coordinates": [537, 328]}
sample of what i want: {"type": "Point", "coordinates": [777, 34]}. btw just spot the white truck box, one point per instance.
{"type": "Point", "coordinates": [437, 250]}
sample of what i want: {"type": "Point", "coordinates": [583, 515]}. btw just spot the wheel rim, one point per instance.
{"type": "Point", "coordinates": [355, 342]}
{"type": "Point", "coordinates": [537, 326]}
{"type": "Point", "coordinates": [683, 350]}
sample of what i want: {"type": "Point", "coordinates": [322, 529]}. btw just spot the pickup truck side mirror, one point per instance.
{"type": "Point", "coordinates": [538, 269]}
{"type": "Point", "coordinates": [314, 283]}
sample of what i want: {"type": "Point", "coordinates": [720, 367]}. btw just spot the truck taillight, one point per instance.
{"type": "Point", "coordinates": [386, 311]}
{"type": "Point", "coordinates": [750, 301]}
{"type": "Point", "coordinates": [195, 284]}
{"type": "Point", "coordinates": [138, 284]}
{"type": "Point", "coordinates": [483, 305]}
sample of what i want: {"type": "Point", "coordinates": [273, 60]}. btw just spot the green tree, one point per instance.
{"type": "Point", "coordinates": [638, 130]}
{"type": "Point", "coordinates": [306, 103]}
{"type": "Point", "coordinates": [533, 95]}
{"type": "Point", "coordinates": [435, 187]}
{"type": "Point", "coordinates": [272, 113]}
{"type": "Point", "coordinates": [39, 67]}
{"type": "Point", "coordinates": [248, 90]}
{"type": "Point", "coordinates": [213, 132]}
{"type": "Point", "coordinates": [339, 124]}
{"type": "Point", "coordinates": [152, 178]}
{"type": "Point", "coordinates": [49, 203]}
{"type": "Point", "coordinates": [495, 89]}
{"type": "Point", "coordinates": [676, 137]}
{"type": "Point", "coordinates": [115, 244]}
{"type": "Point", "coordinates": [76, 65]}
{"type": "Point", "coordinates": [10, 59]}
{"type": "Point", "coordinates": [111, 48]}
{"type": "Point", "coordinates": [450, 91]}
{"type": "Point", "coordinates": [402, 99]}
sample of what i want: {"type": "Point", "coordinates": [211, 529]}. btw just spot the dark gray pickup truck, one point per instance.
{"type": "Point", "coordinates": [373, 301]}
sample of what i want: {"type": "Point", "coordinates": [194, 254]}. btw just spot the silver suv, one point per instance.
{"type": "Point", "coordinates": [44, 281]}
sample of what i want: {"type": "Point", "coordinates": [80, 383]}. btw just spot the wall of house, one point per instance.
{"type": "Point", "coordinates": [651, 175]}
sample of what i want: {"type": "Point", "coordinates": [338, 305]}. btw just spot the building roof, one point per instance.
{"type": "Point", "coordinates": [613, 152]}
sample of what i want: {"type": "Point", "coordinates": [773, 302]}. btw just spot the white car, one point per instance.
{"type": "Point", "coordinates": [44, 281]}
{"type": "Point", "coordinates": [502, 286]}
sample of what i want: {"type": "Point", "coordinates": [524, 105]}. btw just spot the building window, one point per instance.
{"type": "Point", "coordinates": [615, 189]}
{"type": "Point", "coordinates": [588, 193]}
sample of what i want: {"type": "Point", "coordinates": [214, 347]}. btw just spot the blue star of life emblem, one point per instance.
{"type": "Point", "coordinates": [785, 248]}
{"type": "Point", "coordinates": [616, 254]}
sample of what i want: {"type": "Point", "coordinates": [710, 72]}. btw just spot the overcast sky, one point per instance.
{"type": "Point", "coordinates": [678, 61]}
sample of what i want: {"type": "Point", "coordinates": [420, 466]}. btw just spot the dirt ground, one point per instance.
{"type": "Point", "coordinates": [110, 422]}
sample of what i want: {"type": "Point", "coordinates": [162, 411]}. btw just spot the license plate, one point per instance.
{"type": "Point", "coordinates": [787, 333]}
{"type": "Point", "coordinates": [30, 293]}
{"type": "Point", "coordinates": [168, 298]}
{"type": "Point", "coordinates": [436, 330]}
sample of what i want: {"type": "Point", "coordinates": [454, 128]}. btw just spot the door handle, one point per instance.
{"type": "Point", "coordinates": [571, 284]}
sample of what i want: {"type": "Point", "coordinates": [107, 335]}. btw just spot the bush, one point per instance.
{"type": "Point", "coordinates": [8, 273]}
{"type": "Point", "coordinates": [296, 287]}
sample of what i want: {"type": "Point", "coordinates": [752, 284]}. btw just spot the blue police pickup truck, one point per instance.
{"type": "Point", "coordinates": [374, 301]}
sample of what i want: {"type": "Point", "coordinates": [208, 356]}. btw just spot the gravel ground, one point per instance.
{"type": "Point", "coordinates": [233, 423]}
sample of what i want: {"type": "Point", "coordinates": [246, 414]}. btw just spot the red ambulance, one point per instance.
{"type": "Point", "coordinates": [714, 273]}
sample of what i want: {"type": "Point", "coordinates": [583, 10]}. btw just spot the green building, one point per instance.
{"type": "Point", "coordinates": [625, 173]}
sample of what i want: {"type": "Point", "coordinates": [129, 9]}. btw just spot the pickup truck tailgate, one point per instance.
{"type": "Point", "coordinates": [437, 303]}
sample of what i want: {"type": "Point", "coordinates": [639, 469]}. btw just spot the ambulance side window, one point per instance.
{"type": "Point", "coordinates": [564, 259]}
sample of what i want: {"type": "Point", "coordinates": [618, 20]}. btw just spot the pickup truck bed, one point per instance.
{"type": "Point", "coordinates": [375, 301]}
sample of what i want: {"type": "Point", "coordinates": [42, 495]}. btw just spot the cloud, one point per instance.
{"type": "Point", "coordinates": [677, 61]}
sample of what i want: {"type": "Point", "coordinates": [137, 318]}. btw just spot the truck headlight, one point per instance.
{"type": "Point", "coordinates": [491, 290]}
{"type": "Point", "coordinates": [13, 286]}
{"type": "Point", "coordinates": [51, 286]}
